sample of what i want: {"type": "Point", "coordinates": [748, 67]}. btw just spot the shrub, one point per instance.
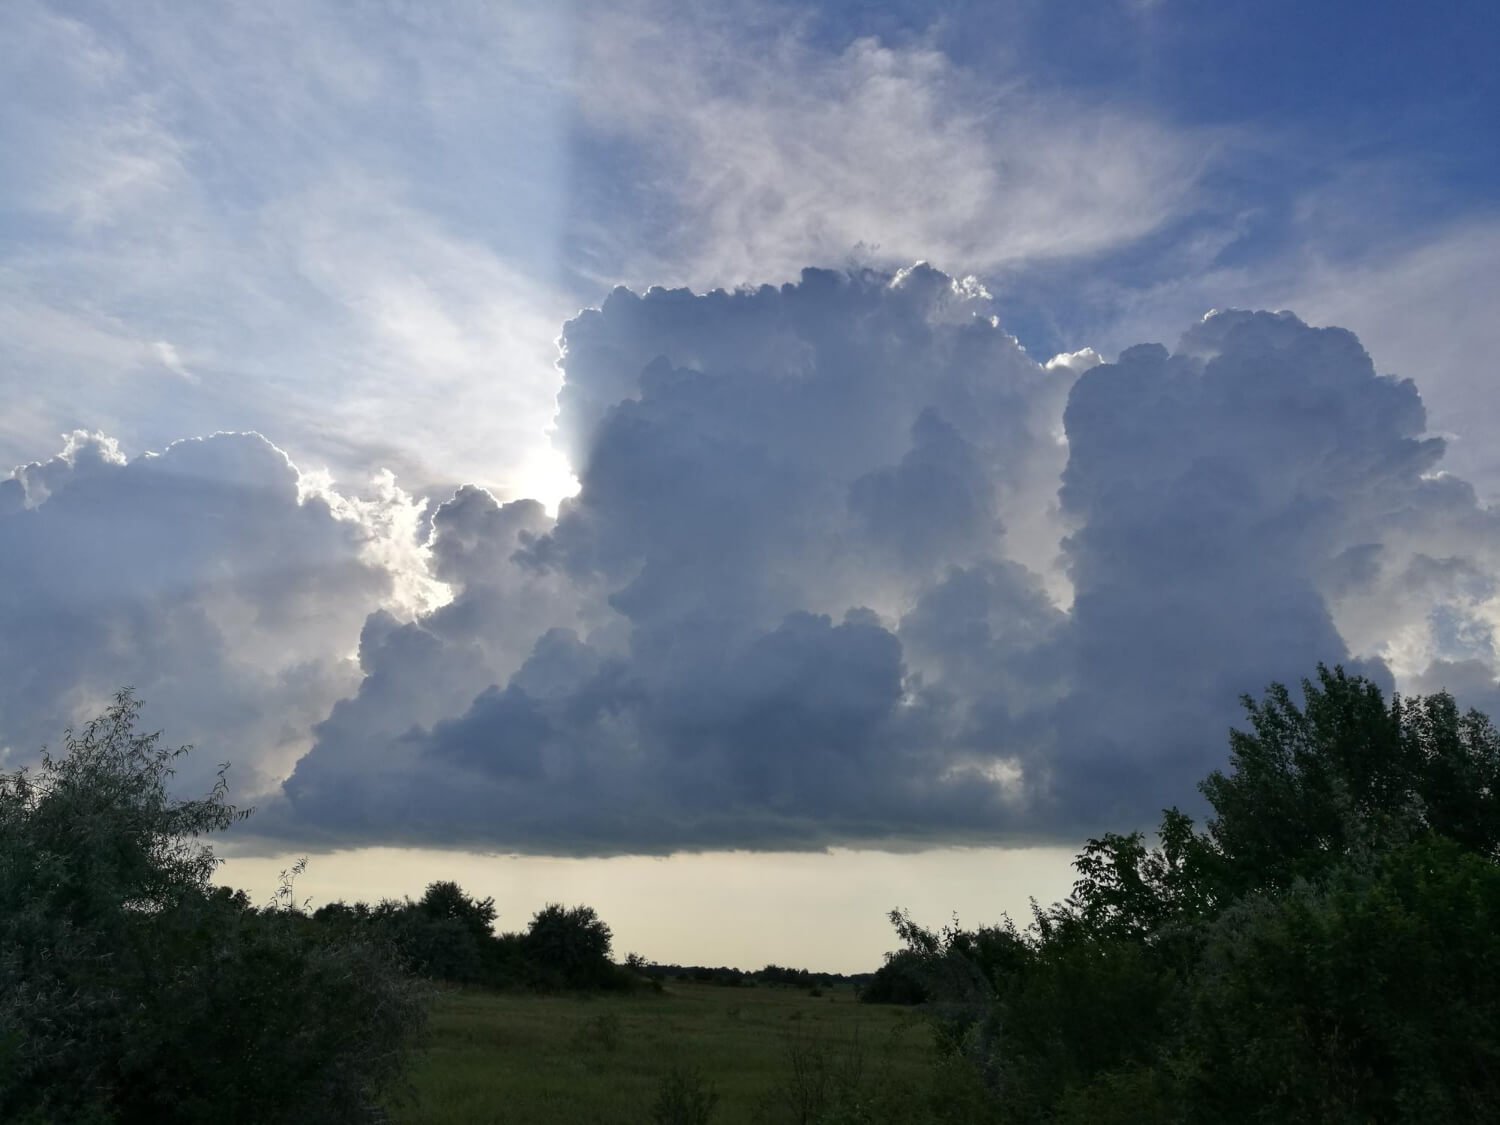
{"type": "Point", "coordinates": [568, 947]}
{"type": "Point", "coordinates": [132, 990]}
{"type": "Point", "coordinates": [683, 1098]}
{"type": "Point", "coordinates": [1321, 950]}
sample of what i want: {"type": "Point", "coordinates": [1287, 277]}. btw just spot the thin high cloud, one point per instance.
{"type": "Point", "coordinates": [272, 203]}
{"type": "Point", "coordinates": [362, 235]}
{"type": "Point", "coordinates": [771, 149]}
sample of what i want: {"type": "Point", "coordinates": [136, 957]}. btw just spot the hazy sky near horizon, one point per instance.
{"type": "Point", "coordinates": [516, 434]}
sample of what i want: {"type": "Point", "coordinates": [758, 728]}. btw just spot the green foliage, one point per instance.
{"type": "Point", "coordinates": [898, 981]}
{"type": "Point", "coordinates": [1316, 952]}
{"type": "Point", "coordinates": [1345, 772]}
{"type": "Point", "coordinates": [448, 936]}
{"type": "Point", "coordinates": [1368, 997]}
{"type": "Point", "coordinates": [446, 901]}
{"type": "Point", "coordinates": [132, 990]}
{"type": "Point", "coordinates": [684, 1098]}
{"type": "Point", "coordinates": [569, 947]}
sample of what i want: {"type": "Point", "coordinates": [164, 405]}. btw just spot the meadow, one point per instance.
{"type": "Point", "coordinates": [769, 1054]}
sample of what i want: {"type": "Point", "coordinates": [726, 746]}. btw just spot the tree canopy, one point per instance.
{"type": "Point", "coordinates": [133, 990]}
{"type": "Point", "coordinates": [1318, 950]}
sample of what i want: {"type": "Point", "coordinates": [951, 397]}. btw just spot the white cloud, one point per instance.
{"type": "Point", "coordinates": [1427, 308]}
{"type": "Point", "coordinates": [238, 199]}
{"type": "Point", "coordinates": [207, 577]}
{"type": "Point", "coordinates": [774, 152]}
{"type": "Point", "coordinates": [786, 610]}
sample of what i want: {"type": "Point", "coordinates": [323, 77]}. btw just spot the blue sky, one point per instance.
{"type": "Point", "coordinates": [362, 233]}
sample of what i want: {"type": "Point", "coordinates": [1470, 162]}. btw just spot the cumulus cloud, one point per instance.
{"type": "Point", "coordinates": [846, 566]}
{"type": "Point", "coordinates": [207, 577]}
{"type": "Point", "coordinates": [789, 606]}
{"type": "Point", "coordinates": [708, 631]}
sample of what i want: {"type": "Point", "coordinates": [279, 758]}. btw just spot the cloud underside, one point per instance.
{"type": "Point", "coordinates": [847, 566]}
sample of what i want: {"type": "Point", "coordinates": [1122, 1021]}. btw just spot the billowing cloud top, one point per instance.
{"type": "Point", "coordinates": [846, 566]}
{"type": "Point", "coordinates": [205, 577]}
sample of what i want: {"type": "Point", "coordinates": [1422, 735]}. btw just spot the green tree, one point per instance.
{"type": "Point", "coordinates": [446, 900]}
{"type": "Point", "coordinates": [133, 990]}
{"type": "Point", "coordinates": [569, 947]}
{"type": "Point", "coordinates": [1316, 952]}
{"type": "Point", "coordinates": [1347, 771]}
{"type": "Point", "coordinates": [1370, 996]}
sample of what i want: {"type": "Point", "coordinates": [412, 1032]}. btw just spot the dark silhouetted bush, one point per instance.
{"type": "Point", "coordinates": [131, 990]}
{"type": "Point", "coordinates": [569, 947]}
{"type": "Point", "coordinates": [1321, 951]}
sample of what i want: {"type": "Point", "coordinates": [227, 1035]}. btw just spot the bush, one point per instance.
{"type": "Point", "coordinates": [684, 1098]}
{"type": "Point", "coordinates": [1321, 951]}
{"type": "Point", "coordinates": [569, 947]}
{"type": "Point", "coordinates": [898, 981]}
{"type": "Point", "coordinates": [132, 990]}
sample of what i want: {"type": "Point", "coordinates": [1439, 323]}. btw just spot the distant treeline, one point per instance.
{"type": "Point", "coordinates": [777, 975]}
{"type": "Point", "coordinates": [1322, 949]}
{"type": "Point", "coordinates": [448, 935]}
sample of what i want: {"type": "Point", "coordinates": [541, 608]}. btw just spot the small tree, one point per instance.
{"type": "Point", "coordinates": [133, 990]}
{"type": "Point", "coordinates": [446, 899]}
{"type": "Point", "coordinates": [569, 947]}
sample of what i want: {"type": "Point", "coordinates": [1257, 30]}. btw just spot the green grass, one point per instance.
{"type": "Point", "coordinates": [519, 1058]}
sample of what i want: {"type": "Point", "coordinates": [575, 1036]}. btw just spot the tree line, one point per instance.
{"type": "Point", "coordinates": [132, 989]}
{"type": "Point", "coordinates": [1322, 949]}
{"type": "Point", "coordinates": [446, 935]}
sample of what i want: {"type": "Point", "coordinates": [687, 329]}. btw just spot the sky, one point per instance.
{"type": "Point", "coordinates": [759, 463]}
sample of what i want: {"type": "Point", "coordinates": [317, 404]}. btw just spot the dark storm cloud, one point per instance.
{"type": "Point", "coordinates": [715, 615]}
{"type": "Point", "coordinates": [1211, 490]}
{"type": "Point", "coordinates": [847, 566]}
{"type": "Point", "coordinates": [785, 608]}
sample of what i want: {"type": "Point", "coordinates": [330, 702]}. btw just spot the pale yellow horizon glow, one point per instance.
{"type": "Point", "coordinates": [826, 912]}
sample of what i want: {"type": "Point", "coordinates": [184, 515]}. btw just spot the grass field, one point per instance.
{"type": "Point", "coordinates": [766, 1052]}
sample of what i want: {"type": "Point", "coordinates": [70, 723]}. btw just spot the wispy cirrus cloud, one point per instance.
{"type": "Point", "coordinates": [765, 150]}
{"type": "Point", "coordinates": [257, 201]}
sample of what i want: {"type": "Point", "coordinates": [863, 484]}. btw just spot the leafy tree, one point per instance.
{"type": "Point", "coordinates": [1368, 997]}
{"type": "Point", "coordinates": [1347, 771]}
{"type": "Point", "coordinates": [1317, 952]}
{"type": "Point", "coordinates": [898, 981]}
{"type": "Point", "coordinates": [569, 947]}
{"type": "Point", "coordinates": [446, 900]}
{"type": "Point", "coordinates": [133, 990]}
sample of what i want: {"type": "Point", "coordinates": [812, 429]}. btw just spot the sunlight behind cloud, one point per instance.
{"type": "Point", "coordinates": [844, 559]}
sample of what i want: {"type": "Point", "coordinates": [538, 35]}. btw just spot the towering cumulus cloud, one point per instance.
{"type": "Point", "coordinates": [848, 566]}
{"type": "Point", "coordinates": [206, 577]}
